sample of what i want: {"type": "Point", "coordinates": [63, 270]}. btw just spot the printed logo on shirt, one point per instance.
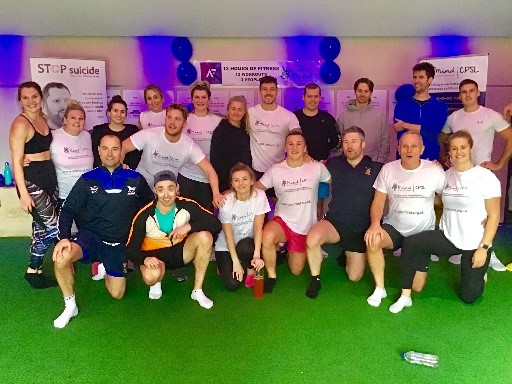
{"type": "Point", "coordinates": [131, 191]}
{"type": "Point", "coordinates": [298, 182]}
{"type": "Point", "coordinates": [76, 151]}
{"type": "Point", "coordinates": [158, 156]}
{"type": "Point", "coordinates": [368, 171]}
{"type": "Point", "coordinates": [94, 189]}
{"type": "Point", "coordinates": [240, 219]}
{"type": "Point", "coordinates": [407, 188]}
{"type": "Point", "coordinates": [191, 132]}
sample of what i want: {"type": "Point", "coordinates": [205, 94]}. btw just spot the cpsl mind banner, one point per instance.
{"type": "Point", "coordinates": [64, 79]}
{"type": "Point", "coordinates": [450, 71]}
{"type": "Point", "coordinates": [248, 73]}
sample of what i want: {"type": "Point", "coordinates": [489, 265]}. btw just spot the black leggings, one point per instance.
{"type": "Point", "coordinates": [196, 190]}
{"type": "Point", "coordinates": [245, 252]}
{"type": "Point", "coordinates": [416, 251]}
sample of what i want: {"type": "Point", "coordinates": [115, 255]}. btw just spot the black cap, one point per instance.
{"type": "Point", "coordinates": [164, 175]}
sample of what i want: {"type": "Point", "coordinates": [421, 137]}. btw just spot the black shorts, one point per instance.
{"type": "Point", "coordinates": [349, 241]}
{"type": "Point", "coordinates": [171, 256]}
{"type": "Point", "coordinates": [269, 192]}
{"type": "Point", "coordinates": [112, 255]}
{"type": "Point", "coordinates": [396, 237]}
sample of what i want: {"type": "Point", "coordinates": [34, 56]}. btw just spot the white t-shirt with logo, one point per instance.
{"type": "Point", "coordinates": [297, 192]}
{"type": "Point", "coordinates": [411, 195]}
{"type": "Point", "coordinates": [199, 129]}
{"type": "Point", "coordinates": [482, 124]}
{"type": "Point", "coordinates": [72, 157]}
{"type": "Point", "coordinates": [241, 214]}
{"type": "Point", "coordinates": [268, 132]}
{"type": "Point", "coordinates": [159, 154]}
{"type": "Point", "coordinates": [149, 119]}
{"type": "Point", "coordinates": [464, 211]}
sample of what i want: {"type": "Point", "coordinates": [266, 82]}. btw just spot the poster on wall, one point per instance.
{"type": "Point", "coordinates": [136, 104]}
{"type": "Point", "coordinates": [65, 79]}
{"type": "Point", "coordinates": [248, 73]}
{"type": "Point", "coordinates": [450, 71]}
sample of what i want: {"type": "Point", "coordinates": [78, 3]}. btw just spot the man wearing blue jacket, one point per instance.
{"type": "Point", "coordinates": [422, 112]}
{"type": "Point", "coordinates": [106, 199]}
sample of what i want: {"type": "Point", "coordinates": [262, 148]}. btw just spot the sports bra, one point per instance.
{"type": "Point", "coordinates": [38, 143]}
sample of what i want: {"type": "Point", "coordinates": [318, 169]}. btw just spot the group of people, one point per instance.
{"type": "Point", "coordinates": [264, 171]}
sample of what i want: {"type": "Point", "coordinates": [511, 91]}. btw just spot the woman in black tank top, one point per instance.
{"type": "Point", "coordinates": [29, 140]}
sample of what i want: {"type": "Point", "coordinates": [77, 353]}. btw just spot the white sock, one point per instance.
{"type": "Point", "coordinates": [377, 296]}
{"type": "Point", "coordinates": [70, 311]}
{"type": "Point", "coordinates": [400, 304]}
{"type": "Point", "coordinates": [155, 291]}
{"type": "Point", "coordinates": [101, 273]}
{"type": "Point", "coordinates": [199, 296]}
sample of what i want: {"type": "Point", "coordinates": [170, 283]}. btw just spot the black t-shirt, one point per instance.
{"type": "Point", "coordinates": [132, 158]}
{"type": "Point", "coordinates": [320, 133]}
{"type": "Point", "coordinates": [352, 192]}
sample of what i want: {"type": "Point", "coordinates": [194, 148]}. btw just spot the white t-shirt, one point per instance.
{"type": "Point", "coordinates": [297, 192]}
{"type": "Point", "coordinates": [464, 211]}
{"type": "Point", "coordinates": [411, 195]}
{"type": "Point", "coordinates": [199, 129]}
{"type": "Point", "coordinates": [149, 119]}
{"type": "Point", "coordinates": [268, 131]}
{"type": "Point", "coordinates": [72, 156]}
{"type": "Point", "coordinates": [241, 214]}
{"type": "Point", "coordinates": [159, 154]}
{"type": "Point", "coordinates": [481, 124]}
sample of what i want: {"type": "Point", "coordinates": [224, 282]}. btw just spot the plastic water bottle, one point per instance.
{"type": "Point", "coordinates": [421, 358]}
{"type": "Point", "coordinates": [7, 175]}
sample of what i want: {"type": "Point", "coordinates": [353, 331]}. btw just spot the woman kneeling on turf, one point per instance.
{"type": "Point", "coordinates": [238, 247]}
{"type": "Point", "coordinates": [471, 213]}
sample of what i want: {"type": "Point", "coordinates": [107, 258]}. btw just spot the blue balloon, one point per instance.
{"type": "Point", "coordinates": [181, 48]}
{"type": "Point", "coordinates": [330, 48]}
{"type": "Point", "coordinates": [404, 92]}
{"type": "Point", "coordinates": [186, 73]}
{"type": "Point", "coordinates": [330, 72]}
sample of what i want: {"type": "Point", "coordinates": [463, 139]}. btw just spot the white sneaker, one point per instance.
{"type": "Point", "coordinates": [199, 296]}
{"type": "Point", "coordinates": [155, 291]}
{"type": "Point", "coordinates": [400, 304]}
{"type": "Point", "coordinates": [101, 273]}
{"type": "Point", "coordinates": [434, 258]}
{"type": "Point", "coordinates": [496, 264]}
{"type": "Point", "coordinates": [377, 296]}
{"type": "Point", "coordinates": [63, 319]}
{"type": "Point", "coordinates": [455, 259]}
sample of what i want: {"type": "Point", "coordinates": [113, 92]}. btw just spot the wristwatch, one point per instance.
{"type": "Point", "coordinates": [484, 246]}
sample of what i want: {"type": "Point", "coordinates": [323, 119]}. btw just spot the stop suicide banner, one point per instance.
{"type": "Point", "coordinates": [248, 73]}
{"type": "Point", "coordinates": [81, 80]}
{"type": "Point", "coordinates": [450, 71]}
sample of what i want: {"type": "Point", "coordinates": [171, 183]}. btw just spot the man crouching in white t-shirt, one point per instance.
{"type": "Point", "coordinates": [410, 185]}
{"type": "Point", "coordinates": [296, 185]}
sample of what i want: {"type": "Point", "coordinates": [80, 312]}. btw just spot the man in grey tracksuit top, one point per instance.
{"type": "Point", "coordinates": [361, 113]}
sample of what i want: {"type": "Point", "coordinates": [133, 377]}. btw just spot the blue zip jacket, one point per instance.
{"type": "Point", "coordinates": [431, 116]}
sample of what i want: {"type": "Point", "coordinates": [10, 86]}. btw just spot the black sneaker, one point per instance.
{"type": "Point", "coordinates": [314, 286]}
{"type": "Point", "coordinates": [269, 284]}
{"type": "Point", "coordinates": [281, 254]}
{"type": "Point", "coordinates": [40, 281]}
{"type": "Point", "coordinates": [179, 274]}
{"type": "Point", "coordinates": [341, 260]}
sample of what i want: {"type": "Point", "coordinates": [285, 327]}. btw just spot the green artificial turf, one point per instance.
{"type": "Point", "coordinates": [283, 338]}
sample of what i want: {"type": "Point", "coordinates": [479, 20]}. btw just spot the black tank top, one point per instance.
{"type": "Point", "coordinates": [38, 143]}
